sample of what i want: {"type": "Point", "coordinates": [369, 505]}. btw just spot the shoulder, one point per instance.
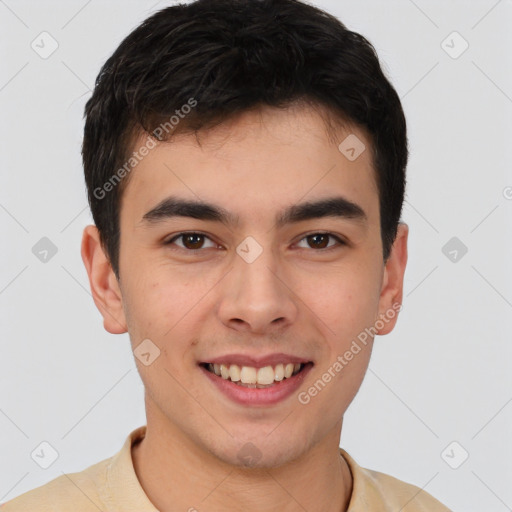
{"type": "Point", "coordinates": [373, 490]}
{"type": "Point", "coordinates": [80, 492]}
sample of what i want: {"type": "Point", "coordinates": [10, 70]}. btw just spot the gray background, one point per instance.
{"type": "Point", "coordinates": [442, 375]}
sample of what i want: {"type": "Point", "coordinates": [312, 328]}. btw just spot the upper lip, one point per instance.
{"type": "Point", "coordinates": [256, 361]}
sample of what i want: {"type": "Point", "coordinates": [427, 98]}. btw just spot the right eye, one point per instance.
{"type": "Point", "coordinates": [191, 241]}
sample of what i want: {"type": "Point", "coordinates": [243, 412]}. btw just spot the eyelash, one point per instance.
{"type": "Point", "coordinates": [194, 251]}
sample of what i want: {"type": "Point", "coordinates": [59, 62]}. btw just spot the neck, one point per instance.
{"type": "Point", "coordinates": [176, 474]}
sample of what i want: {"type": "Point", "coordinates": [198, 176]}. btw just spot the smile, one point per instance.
{"type": "Point", "coordinates": [251, 386]}
{"type": "Point", "coordinates": [251, 377]}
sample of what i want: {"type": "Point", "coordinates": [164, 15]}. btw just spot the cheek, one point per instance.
{"type": "Point", "coordinates": [161, 306]}
{"type": "Point", "coordinates": [146, 304]}
{"type": "Point", "coordinates": [347, 302]}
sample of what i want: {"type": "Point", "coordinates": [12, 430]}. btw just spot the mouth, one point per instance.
{"type": "Point", "coordinates": [257, 377]}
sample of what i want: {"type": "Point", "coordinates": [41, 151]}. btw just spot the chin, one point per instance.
{"type": "Point", "coordinates": [258, 453]}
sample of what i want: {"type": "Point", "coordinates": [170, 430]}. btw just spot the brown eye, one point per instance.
{"type": "Point", "coordinates": [193, 241]}
{"type": "Point", "coordinates": [190, 241]}
{"type": "Point", "coordinates": [321, 241]}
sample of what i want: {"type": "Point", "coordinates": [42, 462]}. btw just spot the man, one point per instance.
{"type": "Point", "coordinates": [245, 162]}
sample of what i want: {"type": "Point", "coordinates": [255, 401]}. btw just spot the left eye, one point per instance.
{"type": "Point", "coordinates": [320, 240]}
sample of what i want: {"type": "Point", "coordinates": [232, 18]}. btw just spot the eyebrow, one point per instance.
{"type": "Point", "coordinates": [338, 207]}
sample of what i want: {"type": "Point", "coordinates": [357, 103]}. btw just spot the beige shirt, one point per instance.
{"type": "Point", "coordinates": [112, 486]}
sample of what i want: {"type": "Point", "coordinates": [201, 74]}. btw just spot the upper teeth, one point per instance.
{"type": "Point", "coordinates": [251, 375]}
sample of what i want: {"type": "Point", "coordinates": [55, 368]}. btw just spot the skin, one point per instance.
{"type": "Point", "coordinates": [293, 298]}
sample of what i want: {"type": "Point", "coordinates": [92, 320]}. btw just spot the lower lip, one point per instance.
{"type": "Point", "coordinates": [259, 396]}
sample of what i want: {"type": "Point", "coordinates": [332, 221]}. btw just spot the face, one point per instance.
{"type": "Point", "coordinates": [255, 280]}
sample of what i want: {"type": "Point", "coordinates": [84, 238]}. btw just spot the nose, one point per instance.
{"type": "Point", "coordinates": [256, 298]}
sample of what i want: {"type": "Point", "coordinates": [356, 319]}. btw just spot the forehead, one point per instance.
{"type": "Point", "coordinates": [255, 163]}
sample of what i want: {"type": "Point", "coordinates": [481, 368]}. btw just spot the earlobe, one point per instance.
{"type": "Point", "coordinates": [392, 285]}
{"type": "Point", "coordinates": [102, 280]}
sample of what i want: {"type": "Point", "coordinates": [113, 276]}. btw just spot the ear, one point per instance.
{"type": "Point", "coordinates": [391, 294]}
{"type": "Point", "coordinates": [103, 282]}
